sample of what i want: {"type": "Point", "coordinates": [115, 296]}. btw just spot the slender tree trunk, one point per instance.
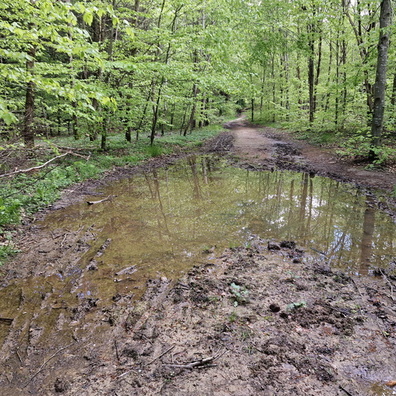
{"type": "Point", "coordinates": [337, 98]}
{"type": "Point", "coordinates": [262, 89]}
{"type": "Point", "coordinates": [103, 142]}
{"type": "Point", "coordinates": [28, 132]}
{"type": "Point", "coordinates": [190, 123]}
{"type": "Point", "coordinates": [393, 98]}
{"type": "Point", "coordinates": [311, 82]}
{"type": "Point", "coordinates": [311, 72]}
{"type": "Point", "coordinates": [363, 51]}
{"type": "Point", "coordinates": [273, 88]}
{"type": "Point", "coordinates": [366, 243]}
{"type": "Point", "coordinates": [163, 79]}
{"type": "Point", "coordinates": [128, 134]}
{"type": "Point", "coordinates": [329, 75]}
{"type": "Point", "coordinates": [380, 79]}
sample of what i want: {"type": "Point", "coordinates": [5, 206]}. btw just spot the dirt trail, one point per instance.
{"type": "Point", "coordinates": [266, 320]}
{"type": "Point", "coordinates": [250, 144]}
{"type": "Point", "coordinates": [265, 146]}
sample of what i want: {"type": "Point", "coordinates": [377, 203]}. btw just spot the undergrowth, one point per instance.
{"type": "Point", "coordinates": [26, 193]}
{"type": "Point", "coordinates": [354, 145]}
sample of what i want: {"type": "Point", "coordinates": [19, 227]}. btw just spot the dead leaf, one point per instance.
{"type": "Point", "coordinates": [391, 383]}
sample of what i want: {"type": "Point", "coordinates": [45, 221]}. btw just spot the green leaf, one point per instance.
{"type": "Point", "coordinates": [8, 117]}
{"type": "Point", "coordinates": [88, 17]}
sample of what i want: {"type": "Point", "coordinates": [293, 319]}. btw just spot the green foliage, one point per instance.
{"type": "Point", "coordinates": [7, 248]}
{"type": "Point", "coordinates": [296, 305]}
{"type": "Point", "coordinates": [9, 211]}
{"type": "Point", "coordinates": [154, 151]}
{"type": "Point", "coordinates": [239, 293]}
{"type": "Point", "coordinates": [359, 146]}
{"type": "Point", "coordinates": [25, 194]}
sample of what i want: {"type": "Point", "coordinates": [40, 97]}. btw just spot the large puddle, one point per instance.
{"type": "Point", "coordinates": [164, 222]}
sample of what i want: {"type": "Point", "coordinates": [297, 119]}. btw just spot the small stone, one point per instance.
{"type": "Point", "coordinates": [274, 308]}
{"type": "Point", "coordinates": [273, 246]}
{"type": "Point", "coordinates": [288, 244]}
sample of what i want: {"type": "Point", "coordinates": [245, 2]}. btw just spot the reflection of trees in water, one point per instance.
{"type": "Point", "coordinates": [203, 202]}
{"type": "Point", "coordinates": [366, 244]}
{"type": "Point", "coordinates": [192, 162]}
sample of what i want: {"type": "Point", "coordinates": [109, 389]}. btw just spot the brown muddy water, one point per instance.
{"type": "Point", "coordinates": [162, 223]}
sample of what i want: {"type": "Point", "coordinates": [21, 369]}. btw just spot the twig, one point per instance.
{"type": "Point", "coordinates": [116, 350]}
{"type": "Point", "coordinates": [42, 366]}
{"type": "Point", "coordinates": [19, 356]}
{"type": "Point", "coordinates": [6, 320]}
{"type": "Point", "coordinates": [64, 239]}
{"type": "Point", "coordinates": [102, 200]}
{"type": "Point", "coordinates": [126, 373]}
{"type": "Point", "coordinates": [128, 270]}
{"type": "Point", "coordinates": [389, 283]}
{"type": "Point", "coordinates": [349, 394]}
{"type": "Point", "coordinates": [198, 363]}
{"type": "Point", "coordinates": [160, 356]}
{"type": "Point", "coordinates": [357, 287]}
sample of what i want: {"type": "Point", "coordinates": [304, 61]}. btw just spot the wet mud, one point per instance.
{"type": "Point", "coordinates": [260, 320]}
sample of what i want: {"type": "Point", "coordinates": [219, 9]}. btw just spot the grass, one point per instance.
{"type": "Point", "coordinates": [26, 193]}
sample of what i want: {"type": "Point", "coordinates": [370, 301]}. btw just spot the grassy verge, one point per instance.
{"type": "Point", "coordinates": [26, 193]}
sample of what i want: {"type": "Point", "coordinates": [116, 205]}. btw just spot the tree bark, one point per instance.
{"type": "Point", "coordinates": [28, 132]}
{"type": "Point", "coordinates": [380, 78]}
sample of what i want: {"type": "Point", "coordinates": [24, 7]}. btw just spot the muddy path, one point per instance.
{"type": "Point", "coordinates": [270, 147]}
{"type": "Point", "coordinates": [266, 319]}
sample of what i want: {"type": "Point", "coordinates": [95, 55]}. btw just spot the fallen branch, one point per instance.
{"type": "Point", "coordinates": [34, 168]}
{"type": "Point", "coordinates": [102, 200]}
{"type": "Point", "coordinates": [198, 363]}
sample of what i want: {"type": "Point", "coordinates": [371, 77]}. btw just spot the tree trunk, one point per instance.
{"type": "Point", "coordinates": [190, 124]}
{"type": "Point", "coordinates": [311, 82]}
{"type": "Point", "coordinates": [128, 134]}
{"type": "Point", "coordinates": [380, 78]}
{"type": "Point", "coordinates": [28, 132]}
{"type": "Point", "coordinates": [363, 50]}
{"type": "Point", "coordinates": [393, 98]}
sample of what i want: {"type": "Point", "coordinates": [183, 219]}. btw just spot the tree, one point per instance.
{"type": "Point", "coordinates": [380, 79]}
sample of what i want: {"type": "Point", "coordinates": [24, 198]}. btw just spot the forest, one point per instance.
{"type": "Point", "coordinates": [197, 197]}
{"type": "Point", "coordinates": [108, 83]}
{"type": "Point", "coordinates": [150, 67]}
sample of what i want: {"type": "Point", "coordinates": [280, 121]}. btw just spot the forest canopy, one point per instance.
{"type": "Point", "coordinates": [144, 67]}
